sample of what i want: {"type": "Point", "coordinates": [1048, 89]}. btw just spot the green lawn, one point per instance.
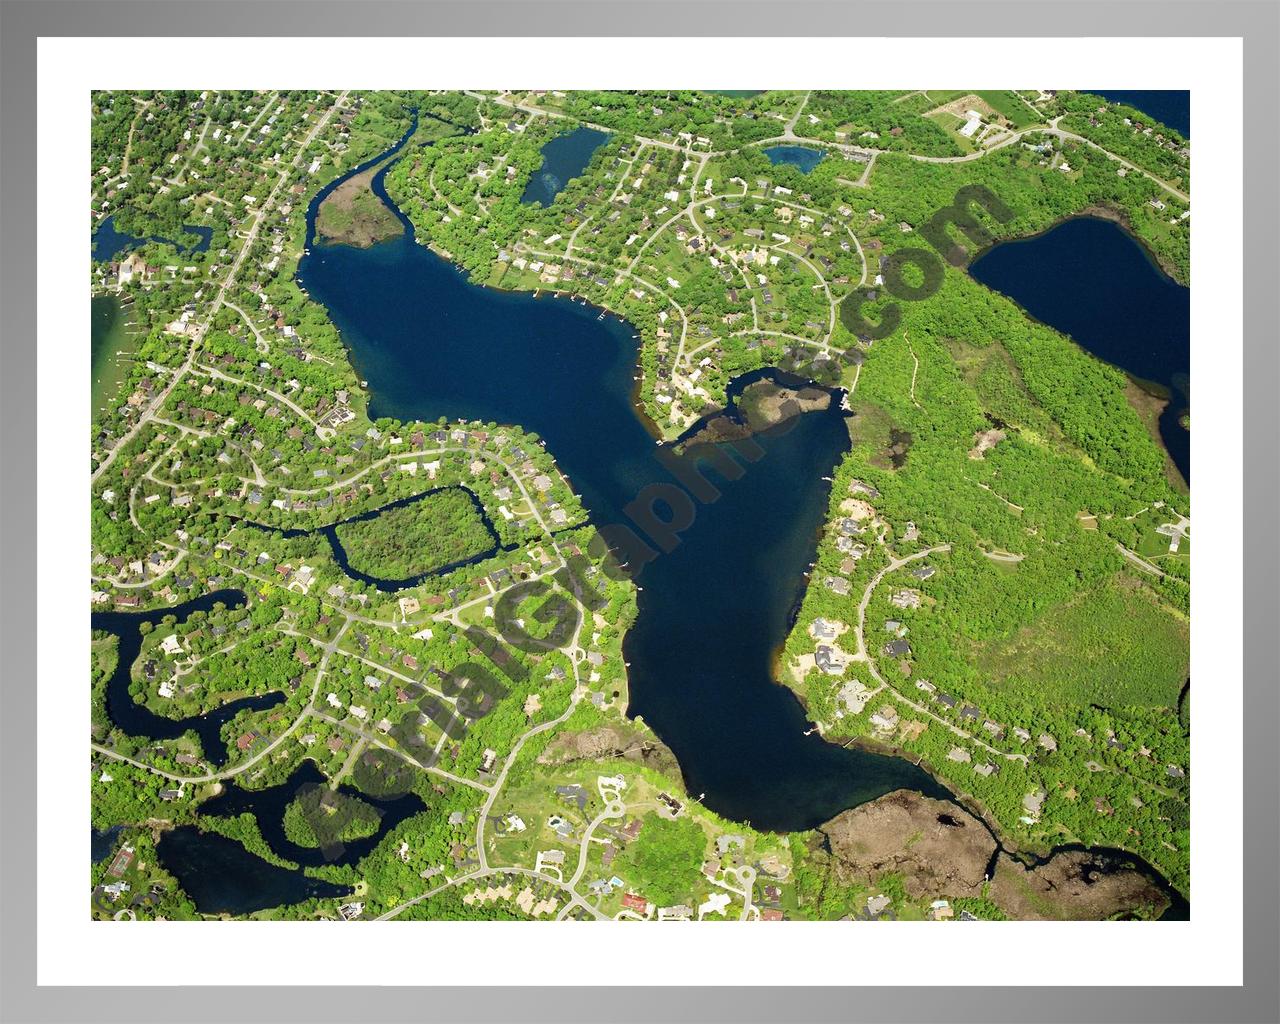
{"type": "Point", "coordinates": [1010, 104]}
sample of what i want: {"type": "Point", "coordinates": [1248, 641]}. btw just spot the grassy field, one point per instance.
{"type": "Point", "coordinates": [352, 215]}
{"type": "Point", "coordinates": [1010, 104]}
{"type": "Point", "coordinates": [1114, 646]}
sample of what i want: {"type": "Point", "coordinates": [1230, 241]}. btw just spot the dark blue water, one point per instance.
{"type": "Point", "coordinates": [563, 158]}
{"type": "Point", "coordinates": [797, 156]}
{"type": "Point", "coordinates": [1092, 280]}
{"type": "Point", "coordinates": [133, 718]}
{"type": "Point", "coordinates": [714, 611]}
{"type": "Point", "coordinates": [330, 533]}
{"type": "Point", "coordinates": [268, 806]}
{"type": "Point", "coordinates": [101, 844]}
{"type": "Point", "coordinates": [1168, 106]}
{"type": "Point", "coordinates": [108, 243]}
{"type": "Point", "coordinates": [222, 877]}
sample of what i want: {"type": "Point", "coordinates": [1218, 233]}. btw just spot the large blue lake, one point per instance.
{"type": "Point", "coordinates": [713, 611]}
{"type": "Point", "coordinates": [1168, 106]}
{"type": "Point", "coordinates": [1092, 280]}
{"type": "Point", "coordinates": [563, 158]}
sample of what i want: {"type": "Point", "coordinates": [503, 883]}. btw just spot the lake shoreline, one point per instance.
{"type": "Point", "coordinates": [1094, 211]}
{"type": "Point", "coordinates": [368, 226]}
{"type": "Point", "coordinates": [1141, 388]}
{"type": "Point", "coordinates": [1150, 400]}
{"type": "Point", "coordinates": [817, 757]}
{"type": "Point", "coordinates": [112, 350]}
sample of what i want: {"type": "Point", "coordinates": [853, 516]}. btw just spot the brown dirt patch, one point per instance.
{"type": "Point", "coordinates": [985, 440]}
{"type": "Point", "coordinates": [607, 742]}
{"type": "Point", "coordinates": [939, 849]}
{"type": "Point", "coordinates": [352, 215]}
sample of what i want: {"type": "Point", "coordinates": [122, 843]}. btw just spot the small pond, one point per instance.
{"type": "Point", "coordinates": [108, 243]}
{"type": "Point", "coordinates": [797, 156]}
{"type": "Point", "coordinates": [222, 877]}
{"type": "Point", "coordinates": [1091, 279]}
{"type": "Point", "coordinates": [563, 158]}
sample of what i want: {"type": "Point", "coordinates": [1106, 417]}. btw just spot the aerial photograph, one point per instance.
{"type": "Point", "coordinates": [648, 505]}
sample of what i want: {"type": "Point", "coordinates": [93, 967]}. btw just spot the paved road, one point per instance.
{"type": "Point", "coordinates": [162, 397]}
{"type": "Point", "coordinates": [1049, 128]}
{"type": "Point", "coordinates": [263, 347]}
{"type": "Point", "coordinates": [1141, 562]}
{"type": "Point", "coordinates": [862, 655]}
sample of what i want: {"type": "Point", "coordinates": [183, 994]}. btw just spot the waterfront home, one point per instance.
{"type": "Point", "coordinates": [830, 660]}
{"type": "Point", "coordinates": [825, 629]}
{"type": "Point", "coordinates": [837, 585]}
{"type": "Point", "coordinates": [853, 697]}
{"type": "Point", "coordinates": [727, 843]}
{"type": "Point", "coordinates": [886, 718]}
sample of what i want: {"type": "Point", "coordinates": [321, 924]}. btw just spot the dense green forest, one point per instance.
{"type": "Point", "coordinates": [443, 528]}
{"type": "Point", "coordinates": [667, 858]}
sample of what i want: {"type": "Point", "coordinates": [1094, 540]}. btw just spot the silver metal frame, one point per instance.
{"type": "Point", "coordinates": [22, 23]}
